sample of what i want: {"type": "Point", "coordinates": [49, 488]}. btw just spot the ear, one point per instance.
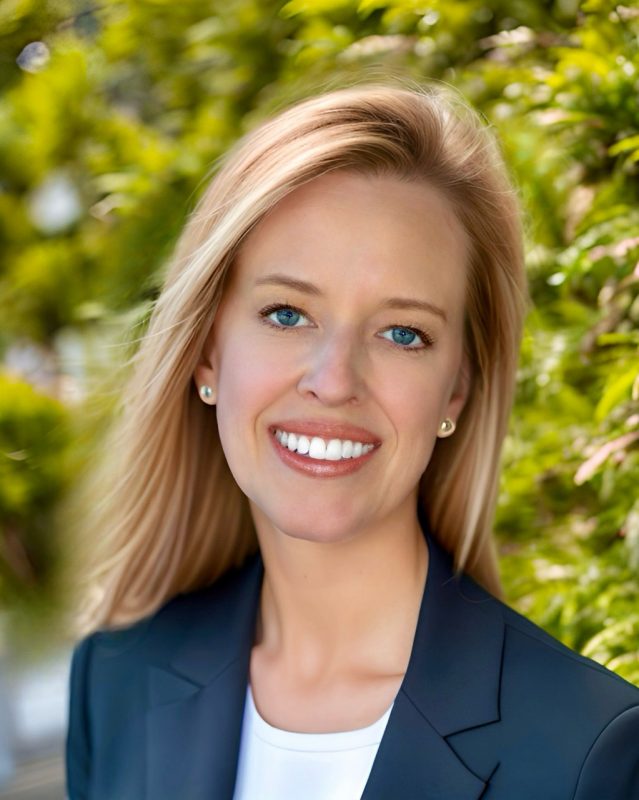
{"type": "Point", "coordinates": [461, 388]}
{"type": "Point", "coordinates": [204, 373]}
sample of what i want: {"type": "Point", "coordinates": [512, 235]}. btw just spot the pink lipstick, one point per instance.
{"type": "Point", "coordinates": [322, 468]}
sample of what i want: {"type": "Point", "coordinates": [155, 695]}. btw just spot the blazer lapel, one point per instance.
{"type": "Point", "coordinates": [195, 705]}
{"type": "Point", "coordinates": [451, 685]}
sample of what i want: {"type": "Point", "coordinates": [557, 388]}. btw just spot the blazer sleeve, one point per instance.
{"type": "Point", "coordinates": [78, 742]}
{"type": "Point", "coordinates": [611, 768]}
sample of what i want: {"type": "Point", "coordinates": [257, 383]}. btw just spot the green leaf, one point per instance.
{"type": "Point", "coordinates": [624, 145]}
{"type": "Point", "coordinates": [314, 8]}
{"type": "Point", "coordinates": [617, 389]}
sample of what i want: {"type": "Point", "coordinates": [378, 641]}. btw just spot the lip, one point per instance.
{"type": "Point", "coordinates": [320, 468]}
{"type": "Point", "coordinates": [327, 430]}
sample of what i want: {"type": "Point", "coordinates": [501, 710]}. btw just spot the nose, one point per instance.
{"type": "Point", "coordinates": [334, 370]}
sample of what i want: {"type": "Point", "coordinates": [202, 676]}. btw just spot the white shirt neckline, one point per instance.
{"type": "Point", "coordinates": [314, 742]}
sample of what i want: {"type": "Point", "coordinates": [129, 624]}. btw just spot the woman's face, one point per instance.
{"type": "Point", "coordinates": [338, 354]}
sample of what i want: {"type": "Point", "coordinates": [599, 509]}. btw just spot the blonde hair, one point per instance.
{"type": "Point", "coordinates": [171, 517]}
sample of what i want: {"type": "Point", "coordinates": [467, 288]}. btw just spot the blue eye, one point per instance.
{"type": "Point", "coordinates": [286, 315]}
{"type": "Point", "coordinates": [281, 316]}
{"type": "Point", "coordinates": [404, 337]}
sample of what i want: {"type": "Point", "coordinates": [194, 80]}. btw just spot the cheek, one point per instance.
{"type": "Point", "coordinates": [413, 400]}
{"type": "Point", "coordinates": [412, 397]}
{"type": "Point", "coordinates": [248, 379]}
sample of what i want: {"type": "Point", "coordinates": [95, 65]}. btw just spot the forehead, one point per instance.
{"type": "Point", "coordinates": [361, 233]}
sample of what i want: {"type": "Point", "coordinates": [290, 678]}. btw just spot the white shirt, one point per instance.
{"type": "Point", "coordinates": [281, 765]}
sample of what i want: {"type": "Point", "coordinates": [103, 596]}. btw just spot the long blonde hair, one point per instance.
{"type": "Point", "coordinates": [170, 516]}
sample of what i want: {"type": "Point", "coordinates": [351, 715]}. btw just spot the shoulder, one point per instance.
{"type": "Point", "coordinates": [532, 657]}
{"type": "Point", "coordinates": [533, 666]}
{"type": "Point", "coordinates": [118, 674]}
{"type": "Point", "coordinates": [581, 718]}
{"type": "Point", "coordinates": [548, 722]}
{"type": "Point", "coordinates": [163, 630]}
{"type": "Point", "coordinates": [111, 660]}
{"type": "Point", "coordinates": [536, 656]}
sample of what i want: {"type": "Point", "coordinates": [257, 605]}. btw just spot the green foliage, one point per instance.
{"type": "Point", "coordinates": [34, 472]}
{"type": "Point", "coordinates": [138, 99]}
{"type": "Point", "coordinates": [572, 460]}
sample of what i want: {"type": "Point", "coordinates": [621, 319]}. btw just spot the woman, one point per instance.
{"type": "Point", "coordinates": [297, 584]}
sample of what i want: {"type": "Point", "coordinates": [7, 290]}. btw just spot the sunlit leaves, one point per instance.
{"type": "Point", "coordinates": [34, 437]}
{"type": "Point", "coordinates": [137, 100]}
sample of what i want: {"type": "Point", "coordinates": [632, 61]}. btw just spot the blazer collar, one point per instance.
{"type": "Point", "coordinates": [451, 684]}
{"type": "Point", "coordinates": [195, 705]}
{"type": "Point", "coordinates": [454, 672]}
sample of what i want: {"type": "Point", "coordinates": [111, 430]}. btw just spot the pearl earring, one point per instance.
{"type": "Point", "coordinates": [206, 393]}
{"type": "Point", "coordinates": [447, 428]}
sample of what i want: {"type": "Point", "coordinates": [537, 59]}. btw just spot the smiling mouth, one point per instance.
{"type": "Point", "coordinates": [321, 467]}
{"type": "Point", "coordinates": [320, 448]}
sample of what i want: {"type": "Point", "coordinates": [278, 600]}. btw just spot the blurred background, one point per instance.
{"type": "Point", "coordinates": [112, 114]}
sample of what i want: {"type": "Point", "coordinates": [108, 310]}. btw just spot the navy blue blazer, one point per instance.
{"type": "Point", "coordinates": [490, 706]}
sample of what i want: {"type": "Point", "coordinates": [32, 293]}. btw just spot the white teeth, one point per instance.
{"type": "Point", "coordinates": [318, 448]}
{"type": "Point", "coordinates": [334, 450]}
{"type": "Point", "coordinates": [303, 445]}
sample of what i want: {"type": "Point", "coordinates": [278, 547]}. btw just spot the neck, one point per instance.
{"type": "Point", "coordinates": [330, 607]}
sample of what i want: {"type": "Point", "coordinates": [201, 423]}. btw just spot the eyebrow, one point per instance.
{"type": "Point", "coordinates": [279, 279]}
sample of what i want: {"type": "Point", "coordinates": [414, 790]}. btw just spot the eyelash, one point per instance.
{"type": "Point", "coordinates": [426, 338]}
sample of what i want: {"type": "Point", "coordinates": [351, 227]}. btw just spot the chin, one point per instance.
{"type": "Point", "coordinates": [328, 537]}
{"type": "Point", "coordinates": [307, 524]}
{"type": "Point", "coordinates": [326, 532]}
